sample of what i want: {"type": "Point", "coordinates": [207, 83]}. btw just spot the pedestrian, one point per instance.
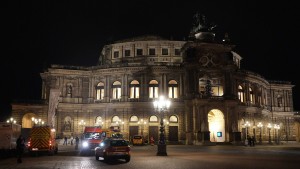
{"type": "Point", "coordinates": [152, 141]}
{"type": "Point", "coordinates": [76, 142]}
{"type": "Point", "coordinates": [253, 141]}
{"type": "Point", "coordinates": [66, 140]}
{"type": "Point", "coordinates": [71, 140]}
{"type": "Point", "coordinates": [20, 148]}
{"type": "Point", "coordinates": [249, 140]}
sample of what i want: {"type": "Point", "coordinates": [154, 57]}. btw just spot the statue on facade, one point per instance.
{"type": "Point", "coordinates": [201, 25]}
{"type": "Point", "coordinates": [67, 124]}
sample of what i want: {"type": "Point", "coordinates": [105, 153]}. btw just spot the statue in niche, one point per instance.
{"type": "Point", "coordinates": [67, 124]}
{"type": "Point", "coordinates": [69, 90]}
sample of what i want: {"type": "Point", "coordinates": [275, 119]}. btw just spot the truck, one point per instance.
{"type": "Point", "coordinates": [9, 133]}
{"type": "Point", "coordinates": [94, 135]}
{"type": "Point", "coordinates": [42, 139]}
{"type": "Point", "coordinates": [91, 138]}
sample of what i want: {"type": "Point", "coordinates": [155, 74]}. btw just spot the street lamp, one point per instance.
{"type": "Point", "coordinates": [11, 121]}
{"type": "Point", "coordinates": [82, 124]}
{"type": "Point", "coordinates": [260, 125]}
{"type": "Point", "coordinates": [38, 122]}
{"type": "Point", "coordinates": [276, 127]}
{"type": "Point", "coordinates": [269, 128]}
{"type": "Point", "coordinates": [161, 106]}
{"type": "Point", "coordinates": [247, 124]}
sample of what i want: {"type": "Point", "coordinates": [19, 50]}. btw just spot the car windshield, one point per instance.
{"type": "Point", "coordinates": [117, 135]}
{"type": "Point", "coordinates": [118, 143]}
{"type": "Point", "coordinates": [137, 137]}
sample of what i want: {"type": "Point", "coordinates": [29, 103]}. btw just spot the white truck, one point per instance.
{"type": "Point", "coordinates": [9, 133]}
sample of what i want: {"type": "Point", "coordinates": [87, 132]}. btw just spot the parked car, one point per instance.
{"type": "Point", "coordinates": [138, 140]}
{"type": "Point", "coordinates": [113, 148]}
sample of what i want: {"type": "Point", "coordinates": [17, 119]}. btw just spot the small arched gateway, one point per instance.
{"type": "Point", "coordinates": [216, 124]}
{"type": "Point", "coordinates": [27, 121]}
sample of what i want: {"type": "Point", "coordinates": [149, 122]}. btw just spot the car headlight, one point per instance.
{"type": "Point", "coordinates": [85, 144]}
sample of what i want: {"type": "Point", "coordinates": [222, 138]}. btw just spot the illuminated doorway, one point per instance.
{"type": "Point", "coordinates": [216, 124]}
{"type": "Point", "coordinates": [27, 120]}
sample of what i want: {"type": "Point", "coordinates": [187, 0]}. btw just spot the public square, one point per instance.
{"type": "Point", "coordinates": [286, 155]}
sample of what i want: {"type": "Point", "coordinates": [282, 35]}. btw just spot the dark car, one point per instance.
{"type": "Point", "coordinates": [113, 148]}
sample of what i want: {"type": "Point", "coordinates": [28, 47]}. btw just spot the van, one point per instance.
{"type": "Point", "coordinates": [42, 139]}
{"type": "Point", "coordinates": [137, 140]}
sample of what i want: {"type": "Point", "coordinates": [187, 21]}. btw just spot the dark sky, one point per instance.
{"type": "Point", "coordinates": [39, 33]}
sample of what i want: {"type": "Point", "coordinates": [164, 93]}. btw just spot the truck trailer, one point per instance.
{"type": "Point", "coordinates": [42, 139]}
{"type": "Point", "coordinates": [9, 133]}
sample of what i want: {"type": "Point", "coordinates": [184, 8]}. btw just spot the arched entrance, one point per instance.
{"type": "Point", "coordinates": [27, 120]}
{"type": "Point", "coordinates": [216, 126]}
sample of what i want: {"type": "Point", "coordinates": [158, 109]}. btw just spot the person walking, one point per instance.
{"type": "Point", "coordinates": [72, 140]}
{"type": "Point", "coordinates": [76, 142]}
{"type": "Point", "coordinates": [152, 141]}
{"type": "Point", "coordinates": [66, 140]}
{"type": "Point", "coordinates": [20, 148]}
{"type": "Point", "coordinates": [253, 141]}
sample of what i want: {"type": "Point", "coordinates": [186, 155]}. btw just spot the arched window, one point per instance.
{"type": "Point", "coordinates": [134, 89]}
{"type": "Point", "coordinates": [251, 94]}
{"type": "Point", "coordinates": [115, 119]}
{"type": "Point", "coordinates": [173, 89]}
{"type": "Point", "coordinates": [241, 93]}
{"type": "Point", "coordinates": [173, 119]}
{"type": "Point", "coordinates": [134, 119]}
{"type": "Point", "coordinates": [116, 93]}
{"type": "Point", "coordinates": [100, 91]}
{"type": "Point", "coordinates": [153, 89]}
{"type": "Point", "coordinates": [99, 121]}
{"type": "Point", "coordinates": [153, 119]}
{"type": "Point", "coordinates": [259, 96]}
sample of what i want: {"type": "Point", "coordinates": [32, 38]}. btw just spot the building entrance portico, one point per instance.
{"type": "Point", "coordinates": [216, 124]}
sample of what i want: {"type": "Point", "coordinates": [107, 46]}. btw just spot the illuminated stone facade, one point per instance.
{"type": "Point", "coordinates": [212, 97]}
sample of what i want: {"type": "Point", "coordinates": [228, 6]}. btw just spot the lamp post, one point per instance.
{"type": "Point", "coordinates": [161, 106]}
{"type": "Point", "coordinates": [260, 125]}
{"type": "Point", "coordinates": [247, 124]}
{"type": "Point", "coordinates": [11, 121]}
{"type": "Point", "coordinates": [82, 124]}
{"type": "Point", "coordinates": [276, 127]}
{"type": "Point", "coordinates": [269, 128]}
{"type": "Point", "coordinates": [37, 122]}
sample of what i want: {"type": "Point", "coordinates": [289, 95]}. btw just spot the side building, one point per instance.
{"type": "Point", "coordinates": [212, 99]}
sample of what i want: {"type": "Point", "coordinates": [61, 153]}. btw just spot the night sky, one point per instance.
{"type": "Point", "coordinates": [39, 33]}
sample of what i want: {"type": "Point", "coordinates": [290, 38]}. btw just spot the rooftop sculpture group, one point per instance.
{"type": "Point", "coordinates": [200, 24]}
